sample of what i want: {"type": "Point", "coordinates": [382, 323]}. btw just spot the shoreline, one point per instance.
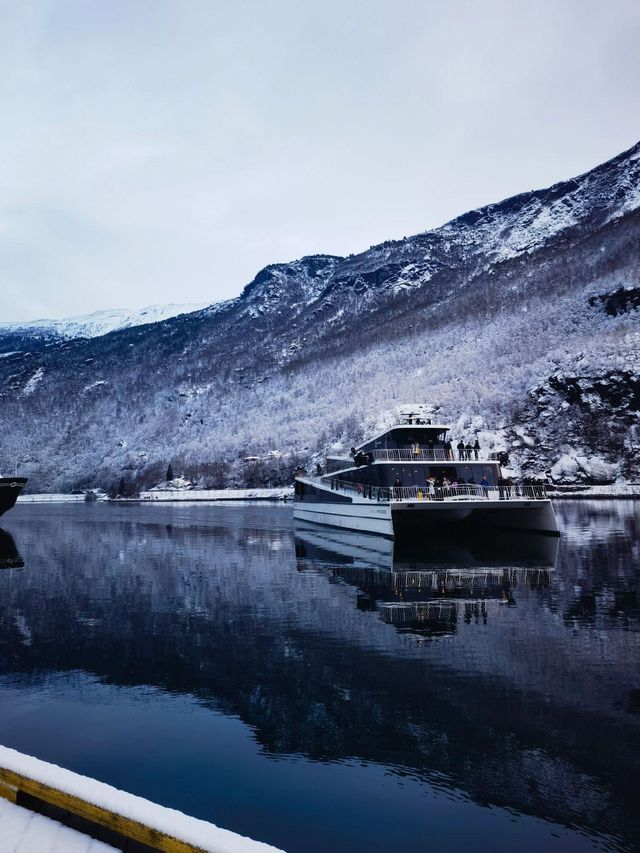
{"type": "Point", "coordinates": [270, 495]}
{"type": "Point", "coordinates": [619, 491]}
{"type": "Point", "coordinates": [629, 491]}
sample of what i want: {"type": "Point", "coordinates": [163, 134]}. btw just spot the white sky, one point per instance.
{"type": "Point", "coordinates": [155, 151]}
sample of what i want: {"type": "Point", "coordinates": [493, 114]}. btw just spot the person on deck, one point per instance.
{"type": "Point", "coordinates": [448, 450]}
{"type": "Point", "coordinates": [431, 486]}
{"type": "Point", "coordinates": [460, 447]}
{"type": "Point", "coordinates": [476, 448]}
{"type": "Point", "coordinates": [468, 448]}
{"type": "Point", "coordinates": [397, 488]}
{"type": "Point", "coordinates": [485, 486]}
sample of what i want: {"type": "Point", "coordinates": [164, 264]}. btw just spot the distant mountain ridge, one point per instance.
{"type": "Point", "coordinates": [518, 321]}
{"type": "Point", "coordinates": [44, 332]}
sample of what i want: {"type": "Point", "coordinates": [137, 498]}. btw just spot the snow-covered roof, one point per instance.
{"type": "Point", "coordinates": [436, 427]}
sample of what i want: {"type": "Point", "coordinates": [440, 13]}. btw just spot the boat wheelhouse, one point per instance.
{"type": "Point", "coordinates": [413, 478]}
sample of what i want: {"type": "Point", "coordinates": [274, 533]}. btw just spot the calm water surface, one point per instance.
{"type": "Point", "coordinates": [322, 693]}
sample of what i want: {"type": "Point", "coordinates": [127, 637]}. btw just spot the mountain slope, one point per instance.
{"type": "Point", "coordinates": [518, 320]}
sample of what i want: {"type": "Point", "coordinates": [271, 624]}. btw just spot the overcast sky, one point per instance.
{"type": "Point", "coordinates": [155, 151]}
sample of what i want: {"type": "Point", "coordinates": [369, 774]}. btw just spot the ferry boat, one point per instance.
{"type": "Point", "coordinates": [413, 479]}
{"type": "Point", "coordinates": [10, 488]}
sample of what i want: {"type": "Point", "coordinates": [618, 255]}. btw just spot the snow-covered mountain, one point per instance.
{"type": "Point", "coordinates": [519, 321]}
{"type": "Point", "coordinates": [45, 332]}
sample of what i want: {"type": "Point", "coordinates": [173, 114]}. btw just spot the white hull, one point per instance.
{"type": "Point", "coordinates": [426, 516]}
{"type": "Point", "coordinates": [366, 517]}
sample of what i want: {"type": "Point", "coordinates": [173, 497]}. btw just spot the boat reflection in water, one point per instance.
{"type": "Point", "coordinates": [424, 590]}
{"type": "Point", "coordinates": [9, 555]}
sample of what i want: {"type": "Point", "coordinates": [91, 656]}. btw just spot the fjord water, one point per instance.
{"type": "Point", "coordinates": [285, 685]}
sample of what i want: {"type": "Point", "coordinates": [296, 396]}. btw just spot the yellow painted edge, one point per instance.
{"type": "Point", "coordinates": [8, 792]}
{"type": "Point", "coordinates": [11, 782]}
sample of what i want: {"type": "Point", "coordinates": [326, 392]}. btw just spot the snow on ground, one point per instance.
{"type": "Point", "coordinates": [574, 467]}
{"type": "Point", "coordinates": [31, 384]}
{"type": "Point", "coordinates": [280, 493]}
{"type": "Point", "coordinates": [613, 490]}
{"type": "Point", "coordinates": [22, 831]}
{"type": "Point", "coordinates": [52, 498]}
{"type": "Point", "coordinates": [199, 833]}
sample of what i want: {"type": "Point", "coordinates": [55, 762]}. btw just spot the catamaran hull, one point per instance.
{"type": "Point", "coordinates": [413, 519]}
{"type": "Point", "coordinates": [365, 518]}
{"type": "Point", "coordinates": [10, 488]}
{"type": "Point", "coordinates": [537, 515]}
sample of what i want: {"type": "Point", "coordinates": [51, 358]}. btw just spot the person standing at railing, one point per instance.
{"type": "Point", "coordinates": [397, 489]}
{"type": "Point", "coordinates": [468, 448]}
{"type": "Point", "coordinates": [460, 447]}
{"type": "Point", "coordinates": [484, 483]}
{"type": "Point", "coordinates": [431, 487]}
{"type": "Point", "coordinates": [476, 448]}
{"type": "Point", "coordinates": [448, 449]}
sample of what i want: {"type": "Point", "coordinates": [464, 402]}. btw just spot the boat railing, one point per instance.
{"type": "Point", "coordinates": [501, 492]}
{"type": "Point", "coordinates": [424, 454]}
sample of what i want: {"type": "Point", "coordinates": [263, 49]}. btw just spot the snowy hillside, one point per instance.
{"type": "Point", "coordinates": [519, 322]}
{"type": "Point", "coordinates": [89, 325]}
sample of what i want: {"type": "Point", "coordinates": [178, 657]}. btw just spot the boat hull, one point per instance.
{"type": "Point", "coordinates": [534, 515]}
{"type": "Point", "coordinates": [361, 517]}
{"type": "Point", "coordinates": [412, 520]}
{"type": "Point", "coordinates": [10, 488]}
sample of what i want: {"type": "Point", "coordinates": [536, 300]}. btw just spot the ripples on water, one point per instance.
{"type": "Point", "coordinates": [321, 692]}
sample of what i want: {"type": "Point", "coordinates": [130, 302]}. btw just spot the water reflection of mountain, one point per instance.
{"type": "Point", "coordinates": [529, 711]}
{"type": "Point", "coordinates": [425, 589]}
{"type": "Point", "coordinates": [9, 556]}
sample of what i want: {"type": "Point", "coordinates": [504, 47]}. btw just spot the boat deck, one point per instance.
{"type": "Point", "coordinates": [398, 495]}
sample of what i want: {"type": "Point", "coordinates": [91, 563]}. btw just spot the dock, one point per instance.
{"type": "Point", "coordinates": [46, 808]}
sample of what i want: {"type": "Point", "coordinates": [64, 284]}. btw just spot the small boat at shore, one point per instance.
{"type": "Point", "coordinates": [411, 480]}
{"type": "Point", "coordinates": [10, 488]}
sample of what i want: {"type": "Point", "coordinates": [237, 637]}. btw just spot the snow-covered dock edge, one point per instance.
{"type": "Point", "coordinates": [24, 779]}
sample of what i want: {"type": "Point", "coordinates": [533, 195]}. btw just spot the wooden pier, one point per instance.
{"type": "Point", "coordinates": [49, 801]}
